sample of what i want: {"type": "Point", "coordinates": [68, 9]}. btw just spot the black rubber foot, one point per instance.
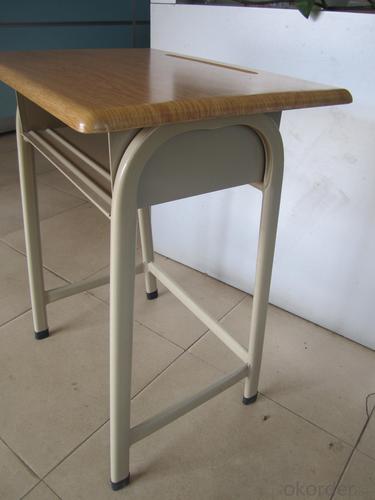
{"type": "Point", "coordinates": [152, 295]}
{"type": "Point", "coordinates": [120, 484]}
{"type": "Point", "coordinates": [249, 401]}
{"type": "Point", "coordinates": [42, 335]}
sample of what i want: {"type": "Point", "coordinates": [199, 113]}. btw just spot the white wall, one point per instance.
{"type": "Point", "coordinates": [324, 265]}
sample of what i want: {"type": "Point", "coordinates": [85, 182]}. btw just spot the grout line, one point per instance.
{"type": "Point", "coordinates": [321, 327]}
{"type": "Point", "coordinates": [25, 464]}
{"type": "Point", "coordinates": [31, 489]}
{"type": "Point", "coordinates": [288, 409]}
{"type": "Point", "coordinates": [12, 148]}
{"type": "Point", "coordinates": [85, 201]}
{"type": "Point", "coordinates": [160, 335]}
{"type": "Point", "coordinates": [9, 245]}
{"type": "Point", "coordinates": [79, 205]}
{"type": "Point", "coordinates": [140, 391]}
{"type": "Point", "coordinates": [365, 454]}
{"type": "Point", "coordinates": [248, 294]}
{"type": "Point", "coordinates": [302, 417]}
{"type": "Point", "coordinates": [74, 449]}
{"type": "Point", "coordinates": [48, 185]}
{"type": "Point", "coordinates": [53, 491]}
{"type": "Point", "coordinates": [187, 349]}
{"type": "Point", "coordinates": [158, 375]}
{"type": "Point", "coordinates": [75, 198]}
{"type": "Point", "coordinates": [184, 351]}
{"type": "Point", "coordinates": [137, 394]}
{"type": "Point", "coordinates": [45, 267]}
{"type": "Point", "coordinates": [92, 295]}
{"type": "Point", "coordinates": [306, 420]}
{"type": "Point", "coordinates": [345, 468]}
{"type": "Point", "coordinates": [107, 420]}
{"type": "Point", "coordinates": [15, 317]}
{"type": "Point", "coordinates": [221, 318]}
{"type": "Point", "coordinates": [96, 272]}
{"type": "Point", "coordinates": [57, 275]}
{"type": "Point", "coordinates": [266, 397]}
{"type": "Point", "coordinates": [208, 363]}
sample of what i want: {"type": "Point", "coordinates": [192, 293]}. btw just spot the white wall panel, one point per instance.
{"type": "Point", "coordinates": [324, 264]}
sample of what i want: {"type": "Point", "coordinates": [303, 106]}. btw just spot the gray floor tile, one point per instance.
{"type": "Point", "coordinates": [15, 478]}
{"type": "Point", "coordinates": [57, 180]}
{"type": "Point", "coordinates": [9, 166]}
{"type": "Point", "coordinates": [222, 450]}
{"type": "Point", "coordinates": [54, 392]}
{"type": "Point", "coordinates": [319, 375]}
{"type": "Point", "coordinates": [75, 243]}
{"type": "Point", "coordinates": [8, 142]}
{"type": "Point", "coordinates": [14, 286]}
{"type": "Point", "coordinates": [367, 442]}
{"type": "Point", "coordinates": [51, 202]}
{"type": "Point", "coordinates": [41, 492]}
{"type": "Point", "coordinates": [358, 482]}
{"type": "Point", "coordinates": [167, 315]}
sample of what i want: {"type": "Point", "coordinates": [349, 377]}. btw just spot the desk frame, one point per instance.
{"type": "Point", "coordinates": [126, 185]}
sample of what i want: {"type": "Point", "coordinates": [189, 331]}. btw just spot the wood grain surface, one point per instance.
{"type": "Point", "coordinates": [99, 90]}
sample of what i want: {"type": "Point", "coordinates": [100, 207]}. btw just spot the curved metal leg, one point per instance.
{"type": "Point", "coordinates": [123, 242]}
{"type": "Point", "coordinates": [122, 271]}
{"type": "Point", "coordinates": [32, 233]}
{"type": "Point", "coordinates": [145, 230]}
{"type": "Point", "coordinates": [266, 248]}
{"type": "Point", "coordinates": [267, 237]}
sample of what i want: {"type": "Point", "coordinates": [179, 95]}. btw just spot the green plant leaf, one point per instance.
{"type": "Point", "coordinates": [305, 7]}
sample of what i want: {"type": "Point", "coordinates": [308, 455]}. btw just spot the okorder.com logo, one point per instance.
{"type": "Point", "coordinates": [306, 490]}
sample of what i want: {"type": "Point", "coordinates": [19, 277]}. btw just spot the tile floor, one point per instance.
{"type": "Point", "coordinates": [308, 436]}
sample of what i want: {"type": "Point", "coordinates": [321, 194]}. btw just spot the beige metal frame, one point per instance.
{"type": "Point", "coordinates": [131, 197]}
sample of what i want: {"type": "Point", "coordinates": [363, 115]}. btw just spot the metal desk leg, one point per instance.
{"type": "Point", "coordinates": [145, 230]}
{"type": "Point", "coordinates": [129, 188]}
{"type": "Point", "coordinates": [266, 248]}
{"type": "Point", "coordinates": [32, 233]}
{"type": "Point", "coordinates": [122, 272]}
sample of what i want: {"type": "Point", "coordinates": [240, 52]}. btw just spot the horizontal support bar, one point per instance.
{"type": "Point", "coordinates": [79, 154]}
{"type": "Point", "coordinates": [200, 313]}
{"type": "Point", "coordinates": [47, 149]}
{"type": "Point", "coordinates": [73, 288]}
{"type": "Point", "coordinates": [87, 284]}
{"type": "Point", "coordinates": [180, 408]}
